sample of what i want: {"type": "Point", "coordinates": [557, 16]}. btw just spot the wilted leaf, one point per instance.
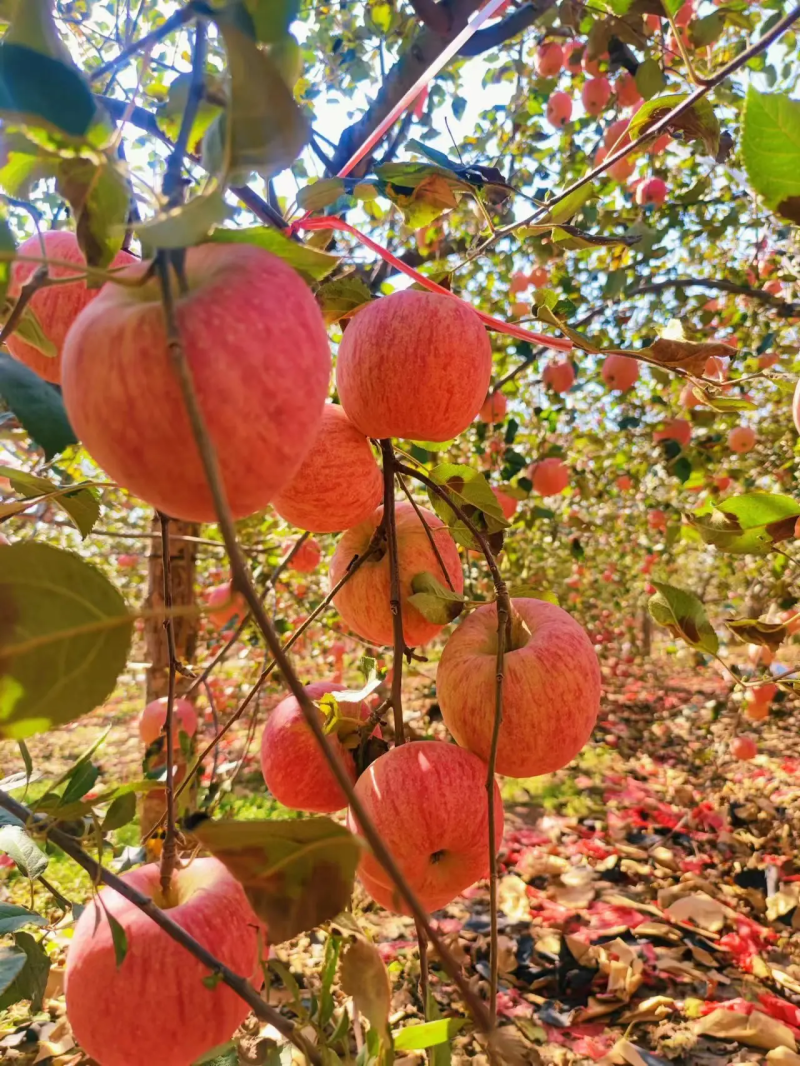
{"type": "Point", "coordinates": [756, 1029]}
{"type": "Point", "coordinates": [309, 262]}
{"type": "Point", "coordinates": [754, 631]}
{"type": "Point", "coordinates": [749, 525]}
{"type": "Point", "coordinates": [364, 977]}
{"type": "Point", "coordinates": [338, 299]}
{"type": "Point", "coordinates": [436, 604]}
{"type": "Point", "coordinates": [698, 123]}
{"type": "Point", "coordinates": [13, 918]}
{"type": "Point", "coordinates": [297, 874]}
{"type": "Point", "coordinates": [684, 616]}
{"type": "Point", "coordinates": [686, 355]}
{"type": "Point", "coordinates": [64, 638]}
{"type": "Point", "coordinates": [37, 404]}
{"type": "Point", "coordinates": [80, 504]}
{"type": "Point", "coordinates": [425, 202]}
{"type": "Point", "coordinates": [699, 908]}
{"type": "Point", "coordinates": [724, 403]}
{"type": "Point", "coordinates": [771, 149]}
{"type": "Point", "coordinates": [573, 239]}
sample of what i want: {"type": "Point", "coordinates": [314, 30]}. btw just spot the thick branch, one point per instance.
{"type": "Point", "coordinates": [783, 307]}
{"type": "Point", "coordinates": [98, 873]}
{"type": "Point", "coordinates": [436, 17]}
{"type": "Point", "coordinates": [512, 26]}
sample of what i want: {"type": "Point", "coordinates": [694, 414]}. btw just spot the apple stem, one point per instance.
{"type": "Point", "coordinates": [169, 852]}
{"type": "Point", "coordinates": [243, 583]}
{"type": "Point", "coordinates": [390, 528]}
{"type": "Point", "coordinates": [240, 985]}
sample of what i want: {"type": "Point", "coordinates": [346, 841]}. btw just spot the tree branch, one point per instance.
{"type": "Point", "coordinates": [436, 17]}
{"type": "Point", "coordinates": [390, 529]}
{"type": "Point", "coordinates": [506, 29]}
{"type": "Point", "coordinates": [783, 307]}
{"type": "Point", "coordinates": [174, 22]}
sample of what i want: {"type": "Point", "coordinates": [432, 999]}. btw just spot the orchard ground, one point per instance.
{"type": "Point", "coordinates": [649, 892]}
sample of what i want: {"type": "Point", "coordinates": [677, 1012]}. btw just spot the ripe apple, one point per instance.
{"type": "Point", "coordinates": [768, 360]}
{"type": "Point", "coordinates": [660, 144]}
{"type": "Point", "coordinates": [651, 191]}
{"type": "Point", "coordinates": [628, 94]}
{"type": "Point", "coordinates": [796, 406]}
{"type": "Point", "coordinates": [518, 283]}
{"type": "Point", "coordinates": [551, 687]}
{"type": "Point", "coordinates": [559, 109]}
{"type": "Point", "coordinates": [548, 60]}
{"type": "Point", "coordinates": [154, 1007]}
{"type": "Point", "coordinates": [494, 408]}
{"type": "Point", "coordinates": [715, 368]}
{"type": "Point", "coordinates": [549, 476]}
{"type": "Point", "coordinates": [228, 604]}
{"type": "Point", "coordinates": [591, 66]}
{"type": "Point", "coordinates": [657, 519]}
{"type": "Point", "coordinates": [723, 482]}
{"type": "Point", "coordinates": [619, 372]}
{"type": "Point", "coordinates": [741, 439]}
{"type": "Point", "coordinates": [257, 348]}
{"type": "Point", "coordinates": [539, 277]}
{"type": "Point", "coordinates": [339, 483]}
{"type": "Point", "coordinates": [624, 483]}
{"type": "Point", "coordinates": [363, 602]}
{"type": "Point", "coordinates": [520, 310]}
{"type": "Point", "coordinates": [616, 135]}
{"type": "Point", "coordinates": [743, 748]}
{"type": "Point", "coordinates": [294, 768]}
{"type": "Point", "coordinates": [57, 307]}
{"type": "Point", "coordinates": [560, 377]}
{"type": "Point", "coordinates": [508, 505]}
{"type": "Point", "coordinates": [573, 55]}
{"type": "Point", "coordinates": [153, 717]}
{"type": "Point", "coordinates": [306, 559]}
{"type": "Point", "coordinates": [127, 562]}
{"type": "Point", "coordinates": [677, 429]}
{"type": "Point", "coordinates": [427, 800]}
{"type": "Point", "coordinates": [414, 365]}
{"type": "Point", "coordinates": [596, 93]}
{"type": "Point", "coordinates": [623, 169]}
{"type": "Point", "coordinates": [688, 397]}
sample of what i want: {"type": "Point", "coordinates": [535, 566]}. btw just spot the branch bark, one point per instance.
{"type": "Point", "coordinates": [390, 529]}
{"type": "Point", "coordinates": [436, 17]}
{"type": "Point", "coordinates": [511, 26]}
{"type": "Point", "coordinates": [783, 307]}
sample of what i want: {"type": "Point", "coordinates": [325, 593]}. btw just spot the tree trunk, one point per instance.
{"type": "Point", "coordinates": [182, 564]}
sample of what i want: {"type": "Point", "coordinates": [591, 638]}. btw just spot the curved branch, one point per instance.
{"type": "Point", "coordinates": [511, 26]}
{"type": "Point", "coordinates": [783, 307]}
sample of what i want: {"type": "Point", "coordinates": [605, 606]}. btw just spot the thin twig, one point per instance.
{"type": "Point", "coordinates": [174, 22]}
{"type": "Point", "coordinates": [98, 873]}
{"type": "Point", "coordinates": [37, 280]}
{"type": "Point", "coordinates": [169, 853]}
{"type": "Point", "coordinates": [173, 179]}
{"type": "Point", "coordinates": [390, 528]}
{"type": "Point", "coordinates": [428, 533]}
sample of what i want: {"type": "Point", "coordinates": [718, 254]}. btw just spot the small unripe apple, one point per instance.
{"type": "Point", "coordinates": [294, 768]}
{"type": "Point", "coordinates": [596, 93]}
{"type": "Point", "coordinates": [427, 800]}
{"type": "Point", "coordinates": [153, 717]}
{"type": "Point", "coordinates": [627, 91]}
{"type": "Point", "coordinates": [551, 687]}
{"type": "Point", "coordinates": [339, 483]}
{"type": "Point", "coordinates": [548, 59]}
{"type": "Point", "coordinates": [559, 109]}
{"type": "Point", "coordinates": [741, 439]}
{"type": "Point", "coordinates": [549, 476]}
{"type": "Point", "coordinates": [55, 307]}
{"type": "Point", "coordinates": [651, 191]}
{"type": "Point", "coordinates": [677, 429]}
{"type": "Point", "coordinates": [743, 748]}
{"type": "Point", "coordinates": [306, 559]}
{"type": "Point", "coordinates": [228, 605]}
{"type": "Point", "coordinates": [437, 343]}
{"type": "Point", "coordinates": [494, 408]}
{"type": "Point", "coordinates": [155, 1007]}
{"type": "Point", "coordinates": [619, 372]}
{"type": "Point", "coordinates": [560, 377]}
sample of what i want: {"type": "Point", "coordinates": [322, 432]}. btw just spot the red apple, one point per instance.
{"type": "Point", "coordinates": [494, 408]}
{"type": "Point", "coordinates": [677, 429]}
{"type": "Point", "coordinates": [796, 406]}
{"type": "Point", "coordinates": [127, 562]}
{"type": "Point", "coordinates": [415, 365]}
{"type": "Point", "coordinates": [651, 191]}
{"type": "Point", "coordinates": [539, 277]}
{"type": "Point", "coordinates": [549, 476]}
{"type": "Point", "coordinates": [624, 483]}
{"type": "Point", "coordinates": [657, 519]}
{"type": "Point", "coordinates": [723, 482]}
{"type": "Point", "coordinates": [508, 505]}
{"type": "Point", "coordinates": [258, 352]}
{"type": "Point", "coordinates": [743, 748]}
{"type": "Point", "coordinates": [767, 360]}
{"type": "Point", "coordinates": [619, 372]}
{"type": "Point", "coordinates": [56, 307]}
{"type": "Point", "coordinates": [627, 91]}
{"type": "Point", "coordinates": [154, 1007]}
{"type": "Point", "coordinates": [688, 397]}
{"type": "Point", "coordinates": [306, 559]}
{"type": "Point", "coordinates": [623, 169]}
{"type": "Point", "coordinates": [363, 602]}
{"type": "Point", "coordinates": [551, 687]}
{"type": "Point", "coordinates": [427, 800]}
{"type": "Point", "coordinates": [518, 283]}
{"type": "Point", "coordinates": [560, 377]}
{"type": "Point", "coordinates": [230, 605]}
{"type": "Point", "coordinates": [595, 94]}
{"type": "Point", "coordinates": [294, 768]}
{"type": "Point", "coordinates": [660, 144]}
{"type": "Point", "coordinates": [338, 485]}
{"type": "Point", "coordinates": [559, 109]}
{"type": "Point", "coordinates": [741, 439]}
{"type": "Point", "coordinates": [548, 60]}
{"type": "Point", "coordinates": [591, 66]}
{"type": "Point", "coordinates": [616, 135]}
{"type": "Point", "coordinates": [153, 717]}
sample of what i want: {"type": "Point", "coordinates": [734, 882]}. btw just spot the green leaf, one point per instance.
{"type": "Point", "coordinates": [170, 113]}
{"type": "Point", "coordinates": [271, 18]}
{"type": "Point", "coordinates": [38, 406]}
{"type": "Point", "coordinates": [471, 491]}
{"type": "Point", "coordinates": [684, 615]}
{"type": "Point", "coordinates": [7, 246]}
{"type": "Point", "coordinates": [724, 403]}
{"type": "Point", "coordinates": [434, 602]}
{"type": "Point", "coordinates": [80, 781]}
{"type": "Point", "coordinates": [29, 328]}
{"type": "Point", "coordinates": [320, 194]}
{"type": "Point", "coordinates": [571, 238]}
{"type": "Point", "coordinates": [339, 298]}
{"type": "Point", "coordinates": [39, 90]}
{"type": "Point", "coordinates": [532, 592]}
{"type": "Point", "coordinates": [754, 631]}
{"type": "Point", "coordinates": [562, 212]}
{"type": "Point", "coordinates": [428, 1034]}
{"type": "Point", "coordinates": [16, 843]}
{"type": "Point", "coordinates": [64, 638]}
{"type": "Point", "coordinates": [13, 918]}
{"type": "Point", "coordinates": [749, 525]}
{"type": "Point", "coordinates": [771, 150]}
{"type": "Point", "coordinates": [118, 938]}
{"type": "Point", "coordinates": [265, 130]}
{"type": "Point", "coordinates": [297, 874]}
{"type": "Point", "coordinates": [224, 1055]}
{"type": "Point", "coordinates": [27, 760]}
{"type": "Point", "coordinates": [309, 262]}
{"type": "Point", "coordinates": [81, 504]}
{"type": "Point", "coordinates": [121, 812]}
{"type": "Point", "coordinates": [649, 78]}
{"type": "Point", "coordinates": [31, 979]}
{"type": "Point", "coordinates": [12, 962]}
{"type": "Point", "coordinates": [706, 30]}
{"type": "Point", "coordinates": [186, 224]}
{"type": "Point", "coordinates": [698, 123]}
{"type": "Point", "coordinates": [99, 195]}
